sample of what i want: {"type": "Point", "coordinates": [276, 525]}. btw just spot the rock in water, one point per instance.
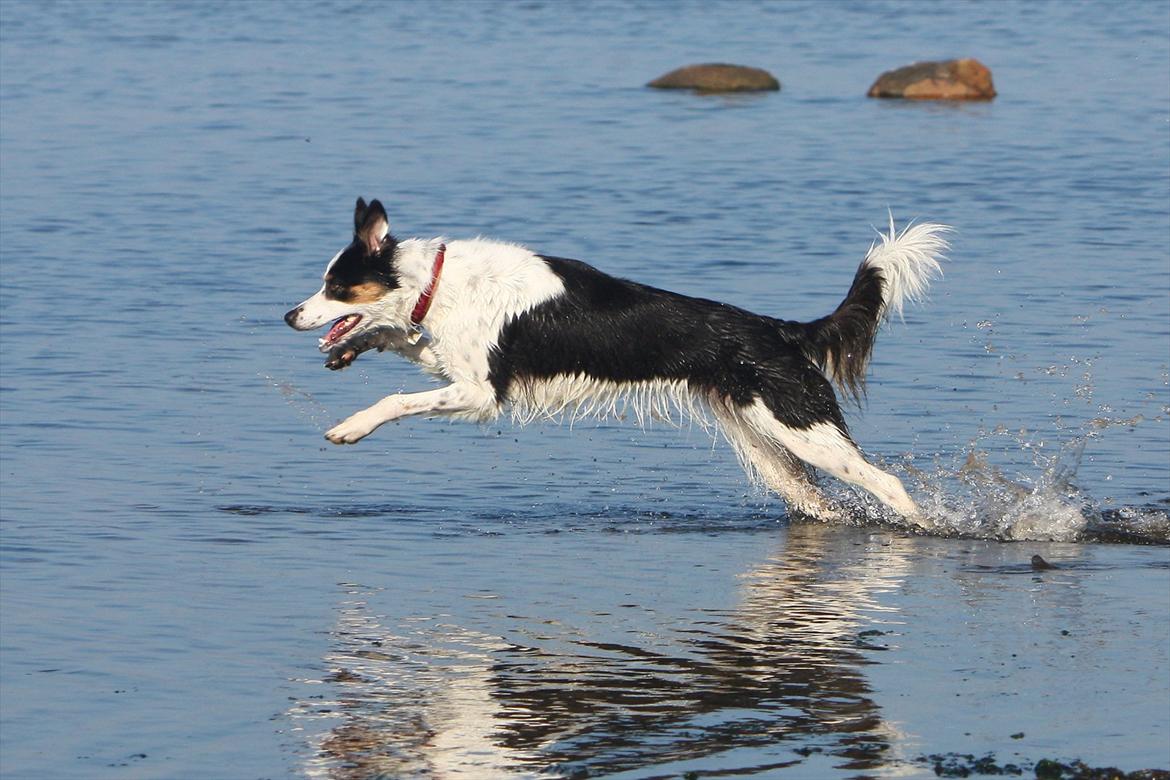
{"type": "Point", "coordinates": [717, 77]}
{"type": "Point", "coordinates": [1039, 564]}
{"type": "Point", "coordinates": [944, 80]}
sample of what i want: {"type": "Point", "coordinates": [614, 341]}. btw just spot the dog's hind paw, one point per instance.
{"type": "Point", "coordinates": [351, 430]}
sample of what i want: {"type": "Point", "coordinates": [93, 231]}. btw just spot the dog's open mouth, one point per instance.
{"type": "Point", "coordinates": [336, 333]}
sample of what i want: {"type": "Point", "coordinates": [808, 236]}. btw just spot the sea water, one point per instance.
{"type": "Point", "coordinates": [195, 584]}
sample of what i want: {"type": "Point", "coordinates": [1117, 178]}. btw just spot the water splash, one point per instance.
{"type": "Point", "coordinates": [978, 499]}
{"type": "Point", "coordinates": [307, 405]}
{"type": "Point", "coordinates": [1021, 484]}
{"type": "Point", "coordinates": [973, 497]}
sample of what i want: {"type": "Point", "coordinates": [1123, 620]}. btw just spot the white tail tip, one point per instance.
{"type": "Point", "coordinates": [908, 261]}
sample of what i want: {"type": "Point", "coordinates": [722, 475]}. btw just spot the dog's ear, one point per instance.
{"type": "Point", "coordinates": [359, 215]}
{"type": "Point", "coordinates": [374, 228]}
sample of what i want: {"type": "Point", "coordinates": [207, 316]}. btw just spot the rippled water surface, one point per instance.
{"type": "Point", "coordinates": [194, 584]}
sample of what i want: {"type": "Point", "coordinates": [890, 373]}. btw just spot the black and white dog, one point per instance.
{"type": "Point", "coordinates": [550, 337]}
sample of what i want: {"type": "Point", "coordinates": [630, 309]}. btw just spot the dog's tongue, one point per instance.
{"type": "Point", "coordinates": [340, 328]}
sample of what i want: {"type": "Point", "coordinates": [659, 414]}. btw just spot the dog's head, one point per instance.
{"type": "Point", "coordinates": [357, 282]}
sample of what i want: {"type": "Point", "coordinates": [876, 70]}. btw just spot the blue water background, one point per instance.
{"type": "Point", "coordinates": [185, 559]}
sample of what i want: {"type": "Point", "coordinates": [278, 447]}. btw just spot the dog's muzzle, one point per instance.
{"type": "Point", "coordinates": [292, 317]}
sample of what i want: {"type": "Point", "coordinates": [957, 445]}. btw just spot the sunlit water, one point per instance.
{"type": "Point", "coordinates": [194, 584]}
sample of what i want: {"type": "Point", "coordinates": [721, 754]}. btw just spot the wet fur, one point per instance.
{"type": "Point", "coordinates": [551, 337]}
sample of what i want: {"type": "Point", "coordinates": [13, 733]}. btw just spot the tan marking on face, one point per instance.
{"type": "Point", "coordinates": [367, 292]}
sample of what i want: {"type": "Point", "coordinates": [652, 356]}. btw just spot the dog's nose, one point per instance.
{"type": "Point", "coordinates": [291, 317]}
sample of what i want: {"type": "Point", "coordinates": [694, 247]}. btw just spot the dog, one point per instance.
{"type": "Point", "coordinates": [544, 336]}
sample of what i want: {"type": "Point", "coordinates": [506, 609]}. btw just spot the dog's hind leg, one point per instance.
{"type": "Point", "coordinates": [461, 399]}
{"type": "Point", "coordinates": [767, 462]}
{"type": "Point", "coordinates": [825, 446]}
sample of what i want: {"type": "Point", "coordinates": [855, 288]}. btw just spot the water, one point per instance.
{"type": "Point", "coordinates": [194, 584]}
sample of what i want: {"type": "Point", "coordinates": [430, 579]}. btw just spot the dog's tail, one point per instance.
{"type": "Point", "coordinates": [896, 269]}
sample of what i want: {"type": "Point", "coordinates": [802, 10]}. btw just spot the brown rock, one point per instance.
{"type": "Point", "coordinates": [717, 77]}
{"type": "Point", "coordinates": [945, 80]}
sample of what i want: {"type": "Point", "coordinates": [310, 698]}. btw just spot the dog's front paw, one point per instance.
{"type": "Point", "coordinates": [352, 430]}
{"type": "Point", "coordinates": [341, 357]}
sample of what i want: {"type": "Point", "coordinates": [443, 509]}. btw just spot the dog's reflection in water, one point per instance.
{"type": "Point", "coordinates": [780, 674]}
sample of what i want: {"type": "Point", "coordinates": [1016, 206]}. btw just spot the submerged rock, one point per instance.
{"type": "Point", "coordinates": [717, 77]}
{"type": "Point", "coordinates": [1048, 769]}
{"type": "Point", "coordinates": [943, 80]}
{"type": "Point", "coordinates": [1039, 564]}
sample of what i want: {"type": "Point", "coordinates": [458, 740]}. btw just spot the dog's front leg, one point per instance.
{"type": "Point", "coordinates": [459, 400]}
{"type": "Point", "coordinates": [420, 353]}
{"type": "Point", "coordinates": [395, 340]}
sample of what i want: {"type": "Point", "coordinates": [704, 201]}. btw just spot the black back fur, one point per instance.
{"type": "Point", "coordinates": [613, 329]}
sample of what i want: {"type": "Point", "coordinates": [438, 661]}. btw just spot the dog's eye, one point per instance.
{"type": "Point", "coordinates": [335, 290]}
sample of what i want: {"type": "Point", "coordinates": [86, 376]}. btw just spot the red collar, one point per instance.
{"type": "Point", "coordinates": [424, 301]}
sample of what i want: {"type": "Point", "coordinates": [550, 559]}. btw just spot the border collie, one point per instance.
{"type": "Point", "coordinates": [550, 337]}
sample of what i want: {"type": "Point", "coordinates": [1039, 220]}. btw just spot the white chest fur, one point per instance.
{"type": "Point", "coordinates": [483, 285]}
